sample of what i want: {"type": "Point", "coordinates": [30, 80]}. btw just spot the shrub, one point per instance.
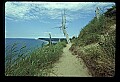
{"type": "Point", "coordinates": [99, 64]}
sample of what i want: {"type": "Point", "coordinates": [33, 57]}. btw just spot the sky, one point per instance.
{"type": "Point", "coordinates": [38, 19]}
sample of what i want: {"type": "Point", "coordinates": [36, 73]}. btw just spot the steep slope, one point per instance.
{"type": "Point", "coordinates": [96, 44]}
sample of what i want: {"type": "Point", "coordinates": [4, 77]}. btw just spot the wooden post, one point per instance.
{"type": "Point", "coordinates": [59, 39]}
{"type": "Point", "coordinates": [50, 40]}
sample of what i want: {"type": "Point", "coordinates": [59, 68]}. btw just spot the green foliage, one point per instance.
{"type": "Point", "coordinates": [96, 45]}
{"type": "Point", "coordinates": [111, 11]}
{"type": "Point", "coordinates": [97, 61]}
{"type": "Point", "coordinates": [12, 52]}
{"type": "Point", "coordinates": [38, 63]}
{"type": "Point", "coordinates": [91, 38]}
{"type": "Point", "coordinates": [108, 45]}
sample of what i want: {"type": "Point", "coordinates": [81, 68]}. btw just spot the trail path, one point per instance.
{"type": "Point", "coordinates": [70, 66]}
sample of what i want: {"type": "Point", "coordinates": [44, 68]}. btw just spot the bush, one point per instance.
{"type": "Point", "coordinates": [99, 64]}
{"type": "Point", "coordinates": [108, 45]}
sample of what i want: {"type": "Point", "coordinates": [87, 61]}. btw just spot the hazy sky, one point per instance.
{"type": "Point", "coordinates": [37, 19]}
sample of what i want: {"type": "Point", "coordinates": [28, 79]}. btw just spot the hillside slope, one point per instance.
{"type": "Point", "coordinates": [96, 44]}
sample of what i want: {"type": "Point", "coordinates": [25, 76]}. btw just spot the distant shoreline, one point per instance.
{"type": "Point", "coordinates": [52, 39]}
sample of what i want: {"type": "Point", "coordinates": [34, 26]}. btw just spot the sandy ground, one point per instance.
{"type": "Point", "coordinates": [70, 66]}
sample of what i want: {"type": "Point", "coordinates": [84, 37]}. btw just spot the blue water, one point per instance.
{"type": "Point", "coordinates": [30, 44]}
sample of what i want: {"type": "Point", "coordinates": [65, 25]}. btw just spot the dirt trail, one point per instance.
{"type": "Point", "coordinates": [69, 65]}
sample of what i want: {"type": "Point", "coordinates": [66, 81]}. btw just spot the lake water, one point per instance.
{"type": "Point", "coordinates": [30, 45]}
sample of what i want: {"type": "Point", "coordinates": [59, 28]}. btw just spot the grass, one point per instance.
{"type": "Point", "coordinates": [38, 63]}
{"type": "Point", "coordinates": [96, 46]}
{"type": "Point", "coordinates": [97, 61]}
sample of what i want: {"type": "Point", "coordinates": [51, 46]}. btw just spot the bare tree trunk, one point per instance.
{"type": "Point", "coordinates": [97, 13]}
{"type": "Point", "coordinates": [50, 40]}
{"type": "Point", "coordinates": [64, 28]}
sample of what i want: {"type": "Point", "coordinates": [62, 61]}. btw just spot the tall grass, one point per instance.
{"type": "Point", "coordinates": [14, 55]}
{"type": "Point", "coordinates": [96, 46]}
{"type": "Point", "coordinates": [38, 63]}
